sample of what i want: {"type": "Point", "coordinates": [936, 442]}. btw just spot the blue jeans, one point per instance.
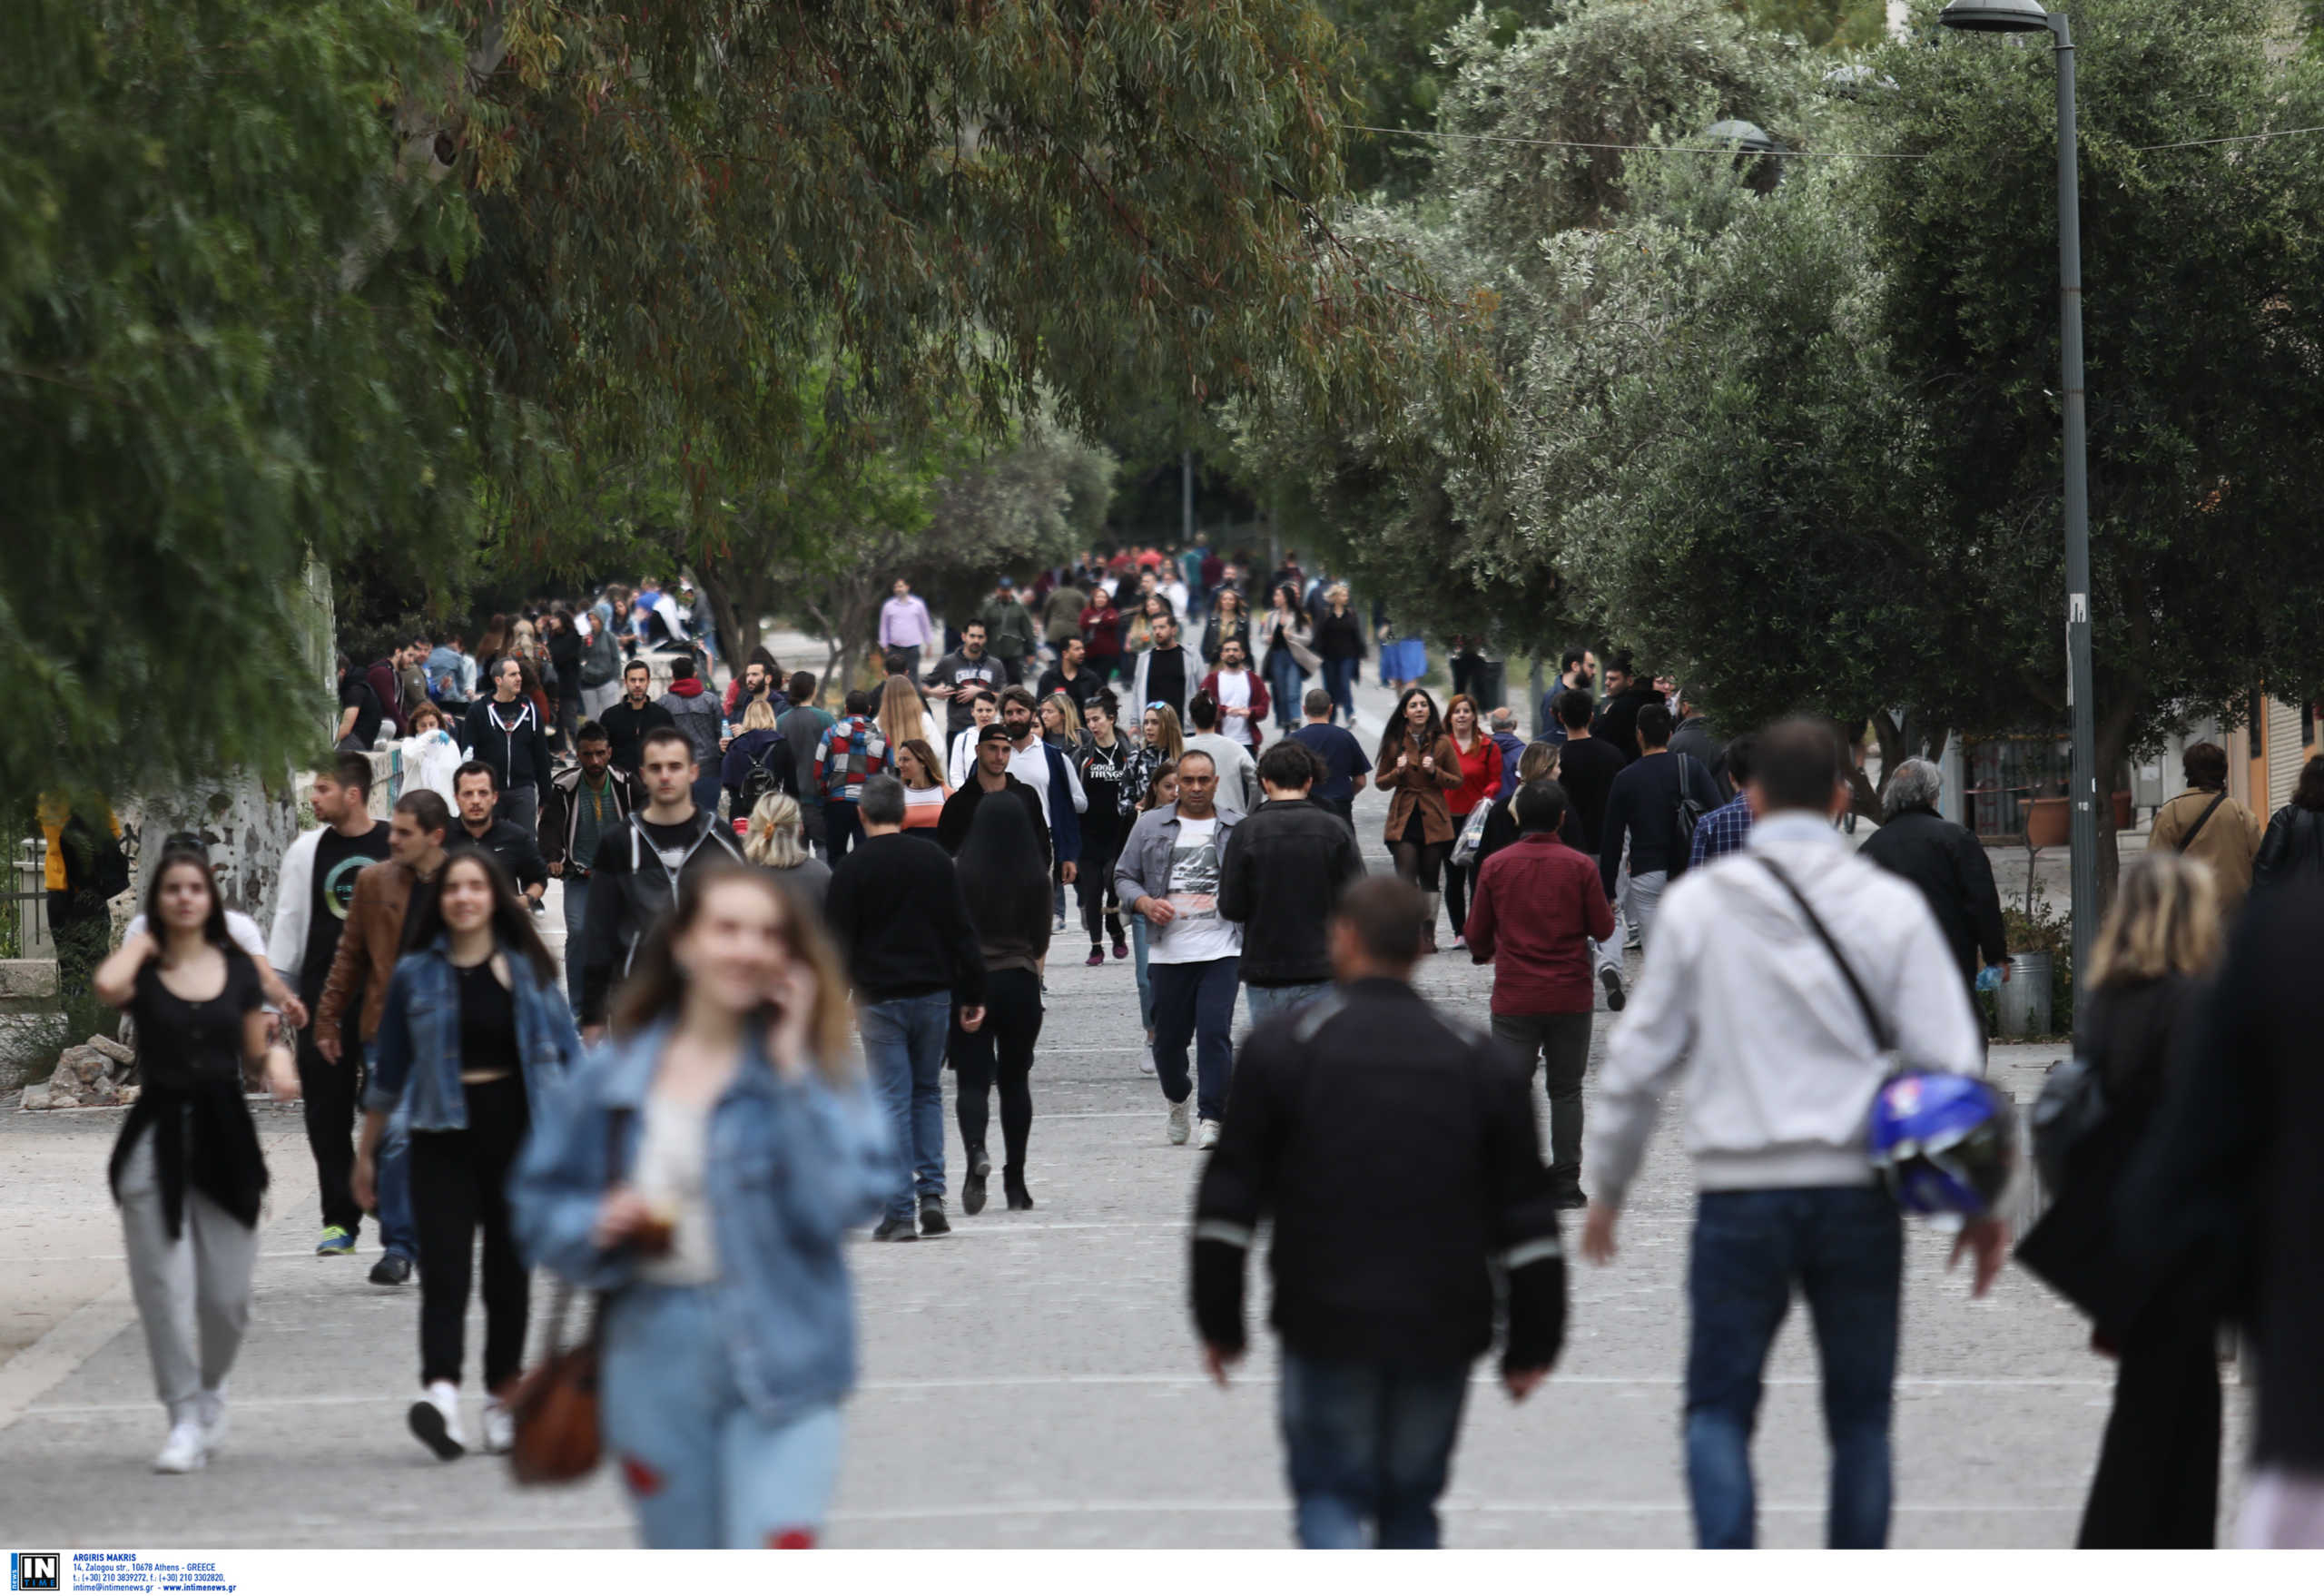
{"type": "Point", "coordinates": [703, 1468]}
{"type": "Point", "coordinates": [399, 1233]}
{"type": "Point", "coordinates": [1843, 1246]}
{"type": "Point", "coordinates": [1339, 681]}
{"type": "Point", "coordinates": [904, 1044]}
{"type": "Point", "coordinates": [576, 917]}
{"type": "Point", "coordinates": [1137, 930]}
{"type": "Point", "coordinates": [707, 792]}
{"type": "Point", "coordinates": [1283, 683]}
{"type": "Point", "coordinates": [1266, 1000]}
{"type": "Point", "coordinates": [1369, 1443]}
{"type": "Point", "coordinates": [1195, 1002]}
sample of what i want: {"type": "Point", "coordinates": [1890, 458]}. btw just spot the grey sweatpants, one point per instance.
{"type": "Point", "coordinates": [194, 1294]}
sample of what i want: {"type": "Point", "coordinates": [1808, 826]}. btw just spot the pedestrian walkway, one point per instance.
{"type": "Point", "coordinates": [1030, 1381]}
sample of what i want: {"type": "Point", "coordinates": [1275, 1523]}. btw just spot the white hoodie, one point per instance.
{"type": "Point", "coordinates": [1738, 985]}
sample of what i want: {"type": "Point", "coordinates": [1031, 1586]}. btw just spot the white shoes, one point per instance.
{"type": "Point", "coordinates": [1206, 1138]}
{"type": "Point", "coordinates": [184, 1450]}
{"type": "Point", "coordinates": [1178, 1124]}
{"type": "Point", "coordinates": [1145, 1059]}
{"type": "Point", "coordinates": [209, 1411]}
{"type": "Point", "coordinates": [500, 1425]}
{"type": "Point", "coordinates": [435, 1418]}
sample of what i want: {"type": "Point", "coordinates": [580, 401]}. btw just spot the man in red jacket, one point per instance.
{"type": "Point", "coordinates": [1240, 695]}
{"type": "Point", "coordinates": [1538, 903]}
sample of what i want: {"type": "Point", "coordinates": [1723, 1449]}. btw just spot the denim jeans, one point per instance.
{"type": "Point", "coordinates": [707, 792]}
{"type": "Point", "coordinates": [1842, 1246]}
{"type": "Point", "coordinates": [1369, 1443]}
{"type": "Point", "coordinates": [520, 807]}
{"type": "Point", "coordinates": [1266, 1000]}
{"type": "Point", "coordinates": [904, 1044]}
{"type": "Point", "coordinates": [1339, 681]}
{"type": "Point", "coordinates": [1283, 684]}
{"type": "Point", "coordinates": [399, 1233]}
{"type": "Point", "coordinates": [576, 917]}
{"type": "Point", "coordinates": [703, 1467]}
{"type": "Point", "coordinates": [1195, 1002]}
{"type": "Point", "coordinates": [1137, 933]}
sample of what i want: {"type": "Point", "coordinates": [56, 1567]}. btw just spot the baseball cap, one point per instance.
{"type": "Point", "coordinates": [994, 732]}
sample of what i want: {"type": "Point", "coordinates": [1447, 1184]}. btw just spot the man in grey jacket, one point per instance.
{"type": "Point", "coordinates": [1169, 871]}
{"type": "Point", "coordinates": [1742, 997]}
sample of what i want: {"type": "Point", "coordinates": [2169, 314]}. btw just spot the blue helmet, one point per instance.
{"type": "Point", "coordinates": [1942, 1143]}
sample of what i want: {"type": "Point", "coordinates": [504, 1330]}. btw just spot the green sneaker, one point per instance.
{"type": "Point", "coordinates": [336, 1243]}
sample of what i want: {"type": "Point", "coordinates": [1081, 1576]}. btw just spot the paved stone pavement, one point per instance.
{"type": "Point", "coordinates": [1031, 1381]}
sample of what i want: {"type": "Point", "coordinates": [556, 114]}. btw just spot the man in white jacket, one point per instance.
{"type": "Point", "coordinates": [1784, 1066]}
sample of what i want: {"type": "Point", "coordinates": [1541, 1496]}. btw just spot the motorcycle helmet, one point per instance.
{"type": "Point", "coordinates": [1942, 1143]}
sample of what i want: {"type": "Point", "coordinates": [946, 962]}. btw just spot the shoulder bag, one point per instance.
{"type": "Point", "coordinates": [2196, 830]}
{"type": "Point", "coordinates": [559, 1437]}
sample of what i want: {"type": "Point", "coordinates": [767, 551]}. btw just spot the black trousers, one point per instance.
{"type": "Point", "coordinates": [460, 1184]}
{"type": "Point", "coordinates": [998, 1052]}
{"type": "Point", "coordinates": [1561, 1042]}
{"type": "Point", "coordinates": [329, 1094]}
{"type": "Point", "coordinates": [1094, 881]}
{"type": "Point", "coordinates": [1457, 878]}
{"type": "Point", "coordinates": [2157, 1485]}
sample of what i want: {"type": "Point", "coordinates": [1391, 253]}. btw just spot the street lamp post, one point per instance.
{"type": "Point", "coordinates": [2026, 16]}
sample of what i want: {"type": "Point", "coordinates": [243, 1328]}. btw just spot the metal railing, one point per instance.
{"type": "Point", "coordinates": [24, 909]}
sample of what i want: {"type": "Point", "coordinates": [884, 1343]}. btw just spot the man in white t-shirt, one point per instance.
{"type": "Point", "coordinates": [1240, 695]}
{"type": "Point", "coordinates": [1168, 872]}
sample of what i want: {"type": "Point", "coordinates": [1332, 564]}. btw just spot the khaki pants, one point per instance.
{"type": "Point", "coordinates": [193, 1293]}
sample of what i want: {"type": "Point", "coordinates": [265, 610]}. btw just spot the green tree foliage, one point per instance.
{"type": "Point", "coordinates": [191, 398]}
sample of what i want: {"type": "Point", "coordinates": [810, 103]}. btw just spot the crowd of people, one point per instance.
{"type": "Point", "coordinates": [783, 925]}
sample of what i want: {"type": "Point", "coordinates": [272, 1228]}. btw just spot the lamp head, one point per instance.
{"type": "Point", "coordinates": [1997, 17]}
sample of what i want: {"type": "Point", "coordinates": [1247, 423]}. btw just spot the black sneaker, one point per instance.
{"type": "Point", "coordinates": [1612, 979]}
{"type": "Point", "coordinates": [1019, 1197]}
{"type": "Point", "coordinates": [932, 1221]}
{"type": "Point", "coordinates": [894, 1229]}
{"type": "Point", "coordinates": [1575, 1198]}
{"type": "Point", "coordinates": [392, 1269]}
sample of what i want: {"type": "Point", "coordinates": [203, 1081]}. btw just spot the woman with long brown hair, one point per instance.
{"type": "Point", "coordinates": [1229, 617]}
{"type": "Point", "coordinates": [473, 1038]}
{"type": "Point", "coordinates": [2157, 1482]}
{"type": "Point", "coordinates": [1416, 766]}
{"type": "Point", "coordinates": [1479, 758]}
{"type": "Point", "coordinates": [902, 719]}
{"type": "Point", "coordinates": [702, 1172]}
{"type": "Point", "coordinates": [925, 788]}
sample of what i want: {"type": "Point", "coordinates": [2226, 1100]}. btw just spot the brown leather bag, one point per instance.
{"type": "Point", "coordinates": [559, 1438]}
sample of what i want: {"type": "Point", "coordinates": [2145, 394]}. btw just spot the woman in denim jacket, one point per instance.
{"type": "Point", "coordinates": [473, 1042]}
{"type": "Point", "coordinates": [703, 1170]}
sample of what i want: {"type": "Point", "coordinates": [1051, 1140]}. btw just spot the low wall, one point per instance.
{"type": "Point", "coordinates": [32, 1029]}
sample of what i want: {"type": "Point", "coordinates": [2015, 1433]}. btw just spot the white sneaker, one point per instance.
{"type": "Point", "coordinates": [1145, 1059]}
{"type": "Point", "coordinates": [435, 1418]}
{"type": "Point", "coordinates": [210, 1410]}
{"type": "Point", "coordinates": [184, 1451]}
{"type": "Point", "coordinates": [1206, 1138]}
{"type": "Point", "coordinates": [1178, 1124]}
{"type": "Point", "coordinates": [500, 1425]}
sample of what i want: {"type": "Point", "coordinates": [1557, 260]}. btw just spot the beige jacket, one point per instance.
{"type": "Point", "coordinates": [2227, 842]}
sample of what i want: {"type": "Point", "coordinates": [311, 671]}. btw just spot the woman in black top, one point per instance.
{"type": "Point", "coordinates": [1339, 639]}
{"type": "Point", "coordinates": [1539, 762]}
{"type": "Point", "coordinates": [1104, 764]}
{"type": "Point", "coordinates": [472, 1037]}
{"type": "Point", "coordinates": [186, 1172]}
{"type": "Point", "coordinates": [1005, 879]}
{"type": "Point", "coordinates": [2157, 1483]}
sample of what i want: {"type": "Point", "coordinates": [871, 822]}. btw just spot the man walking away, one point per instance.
{"type": "Point", "coordinates": [695, 713]}
{"type": "Point", "coordinates": [897, 912]}
{"type": "Point", "coordinates": [1742, 997]}
{"type": "Point", "coordinates": [1540, 906]}
{"type": "Point", "coordinates": [802, 726]}
{"type": "Point", "coordinates": [1384, 1291]}
{"type": "Point", "coordinates": [851, 754]}
{"type": "Point", "coordinates": [1725, 829]}
{"type": "Point", "coordinates": [317, 885]}
{"type": "Point", "coordinates": [627, 722]}
{"type": "Point", "coordinates": [369, 943]}
{"type": "Point", "coordinates": [1643, 807]}
{"type": "Point", "coordinates": [1586, 766]}
{"type": "Point", "coordinates": [2204, 823]}
{"type": "Point", "coordinates": [634, 880]}
{"type": "Point", "coordinates": [1280, 877]}
{"type": "Point", "coordinates": [1345, 766]}
{"type": "Point", "coordinates": [1946, 863]}
{"type": "Point", "coordinates": [1169, 872]}
{"type": "Point", "coordinates": [1695, 738]}
{"type": "Point", "coordinates": [1239, 773]}
{"type": "Point", "coordinates": [584, 805]}
{"type": "Point", "coordinates": [904, 627]}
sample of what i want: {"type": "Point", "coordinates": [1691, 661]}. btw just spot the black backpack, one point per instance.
{"type": "Point", "coordinates": [760, 777]}
{"type": "Point", "coordinates": [1688, 814]}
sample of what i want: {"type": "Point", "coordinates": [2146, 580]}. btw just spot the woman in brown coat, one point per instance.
{"type": "Point", "coordinates": [1417, 766]}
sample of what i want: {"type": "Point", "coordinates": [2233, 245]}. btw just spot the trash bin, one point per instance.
{"type": "Point", "coordinates": [2023, 1001]}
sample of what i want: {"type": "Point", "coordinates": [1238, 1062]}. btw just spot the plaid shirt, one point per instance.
{"type": "Point", "coordinates": [851, 754]}
{"type": "Point", "coordinates": [1722, 832]}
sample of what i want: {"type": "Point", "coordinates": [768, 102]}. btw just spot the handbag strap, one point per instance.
{"type": "Point", "coordinates": [561, 1300]}
{"type": "Point", "coordinates": [1880, 1033]}
{"type": "Point", "coordinates": [2194, 831]}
